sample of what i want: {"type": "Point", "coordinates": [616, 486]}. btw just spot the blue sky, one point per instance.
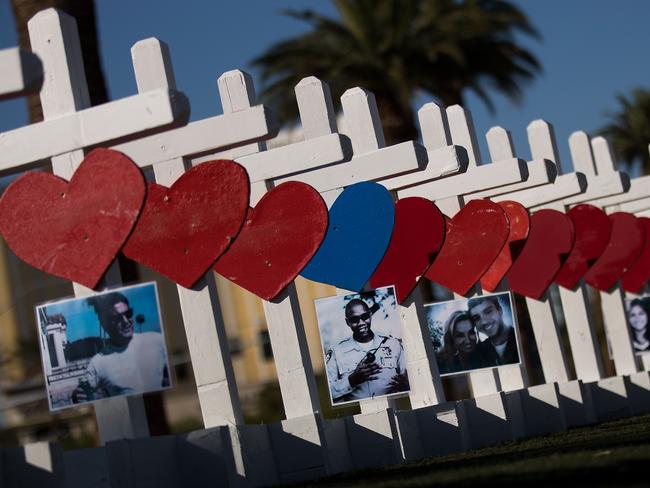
{"type": "Point", "coordinates": [83, 322]}
{"type": "Point", "coordinates": [591, 50]}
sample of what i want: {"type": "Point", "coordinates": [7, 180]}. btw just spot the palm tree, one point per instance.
{"type": "Point", "coordinates": [629, 128]}
{"type": "Point", "coordinates": [400, 48]}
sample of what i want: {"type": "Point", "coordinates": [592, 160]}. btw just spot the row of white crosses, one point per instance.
{"type": "Point", "coordinates": [242, 124]}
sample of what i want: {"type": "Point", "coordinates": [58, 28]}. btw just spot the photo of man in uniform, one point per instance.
{"type": "Point", "coordinates": [365, 364]}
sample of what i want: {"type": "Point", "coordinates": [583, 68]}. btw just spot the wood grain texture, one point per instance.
{"type": "Point", "coordinates": [74, 230]}
{"type": "Point", "coordinates": [184, 229]}
{"type": "Point", "coordinates": [279, 237]}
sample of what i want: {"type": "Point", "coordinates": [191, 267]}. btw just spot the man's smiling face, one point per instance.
{"type": "Point", "coordinates": [488, 318]}
{"type": "Point", "coordinates": [359, 319]}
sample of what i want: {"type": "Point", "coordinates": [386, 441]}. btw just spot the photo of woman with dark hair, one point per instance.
{"type": "Point", "coordinates": [638, 312]}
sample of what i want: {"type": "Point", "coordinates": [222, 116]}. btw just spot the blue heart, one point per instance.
{"type": "Point", "coordinates": [360, 226]}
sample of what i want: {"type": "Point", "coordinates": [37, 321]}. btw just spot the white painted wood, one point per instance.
{"type": "Point", "coordinates": [441, 162]}
{"type": "Point", "coordinates": [444, 159]}
{"type": "Point", "coordinates": [361, 121]}
{"type": "Point", "coordinates": [603, 155]}
{"type": "Point", "coordinates": [541, 139]}
{"type": "Point", "coordinates": [68, 132]}
{"type": "Point", "coordinates": [316, 108]}
{"type": "Point", "coordinates": [54, 39]}
{"type": "Point", "coordinates": [581, 154]}
{"type": "Point", "coordinates": [582, 335]}
{"type": "Point", "coordinates": [585, 349]}
{"type": "Point", "coordinates": [602, 186]}
{"type": "Point", "coordinates": [541, 172]}
{"type": "Point", "coordinates": [632, 207]}
{"type": "Point", "coordinates": [21, 72]}
{"type": "Point", "coordinates": [461, 128]}
{"type": "Point", "coordinates": [549, 345]}
{"type": "Point", "coordinates": [564, 186]}
{"type": "Point", "coordinates": [201, 136]}
{"type": "Point", "coordinates": [484, 382]}
{"type": "Point", "coordinates": [204, 326]}
{"type": "Point", "coordinates": [424, 377]}
{"type": "Point", "coordinates": [476, 179]}
{"type": "Point", "coordinates": [375, 165]}
{"type": "Point", "coordinates": [500, 144]}
{"type": "Point", "coordinates": [300, 156]}
{"type": "Point", "coordinates": [295, 373]}
{"type": "Point", "coordinates": [639, 188]}
{"type": "Point", "coordinates": [283, 318]}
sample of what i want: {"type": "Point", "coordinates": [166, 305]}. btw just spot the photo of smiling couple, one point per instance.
{"type": "Point", "coordinates": [473, 334]}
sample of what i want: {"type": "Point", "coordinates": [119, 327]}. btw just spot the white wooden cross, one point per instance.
{"type": "Point", "coordinates": [21, 73]}
{"type": "Point", "coordinates": [70, 125]}
{"type": "Point", "coordinates": [201, 311]}
{"type": "Point", "coordinates": [371, 161]}
{"type": "Point", "coordinates": [582, 336]}
{"type": "Point", "coordinates": [448, 195]}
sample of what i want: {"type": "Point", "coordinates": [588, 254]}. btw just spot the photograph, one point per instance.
{"type": "Point", "coordinates": [361, 334]}
{"type": "Point", "coordinates": [102, 346]}
{"type": "Point", "coordinates": [638, 311]}
{"type": "Point", "coordinates": [475, 333]}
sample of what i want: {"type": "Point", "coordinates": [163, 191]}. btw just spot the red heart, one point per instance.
{"type": "Point", "coordinates": [279, 237]}
{"type": "Point", "coordinates": [623, 249]}
{"type": "Point", "coordinates": [418, 233]}
{"type": "Point", "coordinates": [74, 230]}
{"type": "Point", "coordinates": [549, 243]}
{"type": "Point", "coordinates": [185, 228]}
{"type": "Point", "coordinates": [519, 226]}
{"type": "Point", "coordinates": [593, 229]}
{"type": "Point", "coordinates": [475, 236]}
{"type": "Point", "coordinates": [635, 277]}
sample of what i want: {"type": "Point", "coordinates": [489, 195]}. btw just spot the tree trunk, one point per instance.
{"type": "Point", "coordinates": [398, 122]}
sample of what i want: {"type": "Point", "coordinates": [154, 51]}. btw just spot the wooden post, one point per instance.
{"type": "Point", "coordinates": [204, 327]}
{"type": "Point", "coordinates": [54, 38]}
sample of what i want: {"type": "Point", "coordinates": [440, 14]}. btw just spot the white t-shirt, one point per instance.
{"type": "Point", "coordinates": [136, 369]}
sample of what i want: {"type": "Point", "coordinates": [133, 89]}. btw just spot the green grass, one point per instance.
{"type": "Point", "coordinates": [610, 454]}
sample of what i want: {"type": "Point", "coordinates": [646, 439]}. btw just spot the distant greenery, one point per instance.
{"type": "Point", "coordinates": [399, 49]}
{"type": "Point", "coordinates": [629, 128]}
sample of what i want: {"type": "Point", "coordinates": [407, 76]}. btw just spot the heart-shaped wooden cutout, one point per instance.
{"type": "Point", "coordinates": [593, 228]}
{"type": "Point", "coordinates": [280, 235]}
{"type": "Point", "coordinates": [185, 228]}
{"type": "Point", "coordinates": [360, 226]}
{"type": "Point", "coordinates": [475, 237]}
{"type": "Point", "coordinates": [417, 236]}
{"type": "Point", "coordinates": [549, 243]}
{"type": "Point", "coordinates": [636, 277]}
{"type": "Point", "coordinates": [74, 230]}
{"type": "Point", "coordinates": [623, 249]}
{"type": "Point", "coordinates": [519, 226]}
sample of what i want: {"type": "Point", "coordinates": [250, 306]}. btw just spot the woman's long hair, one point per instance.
{"type": "Point", "coordinates": [448, 347]}
{"type": "Point", "coordinates": [644, 303]}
